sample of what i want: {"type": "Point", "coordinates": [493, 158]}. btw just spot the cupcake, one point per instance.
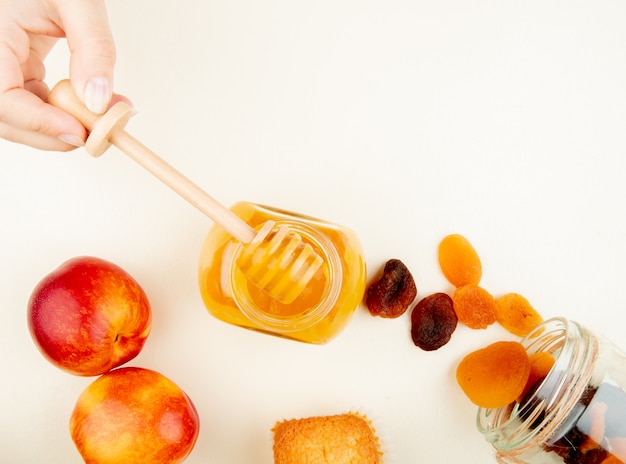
{"type": "Point", "coordinates": [340, 439]}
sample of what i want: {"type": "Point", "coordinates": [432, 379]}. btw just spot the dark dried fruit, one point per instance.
{"type": "Point", "coordinates": [433, 321]}
{"type": "Point", "coordinates": [393, 293]}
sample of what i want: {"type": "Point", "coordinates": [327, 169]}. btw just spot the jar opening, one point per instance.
{"type": "Point", "coordinates": [308, 309]}
{"type": "Point", "coordinates": [551, 406]}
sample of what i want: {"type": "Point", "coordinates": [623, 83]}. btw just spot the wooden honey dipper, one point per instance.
{"type": "Point", "coordinates": [274, 258]}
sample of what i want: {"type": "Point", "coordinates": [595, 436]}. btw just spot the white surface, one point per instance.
{"type": "Point", "coordinates": [404, 120]}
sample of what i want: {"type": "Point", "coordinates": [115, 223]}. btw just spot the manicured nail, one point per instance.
{"type": "Point", "coordinates": [72, 139]}
{"type": "Point", "coordinates": [97, 94]}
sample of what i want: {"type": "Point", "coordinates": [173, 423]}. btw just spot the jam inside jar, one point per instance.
{"type": "Point", "coordinates": [323, 308]}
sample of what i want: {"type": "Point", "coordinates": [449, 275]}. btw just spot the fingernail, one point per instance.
{"type": "Point", "coordinates": [72, 139]}
{"type": "Point", "coordinates": [97, 94]}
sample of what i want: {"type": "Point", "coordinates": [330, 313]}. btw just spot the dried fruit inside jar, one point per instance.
{"type": "Point", "coordinates": [598, 433]}
{"type": "Point", "coordinates": [574, 413]}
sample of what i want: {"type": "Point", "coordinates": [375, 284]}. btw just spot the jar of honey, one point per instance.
{"type": "Point", "coordinates": [325, 305]}
{"type": "Point", "coordinates": [576, 413]}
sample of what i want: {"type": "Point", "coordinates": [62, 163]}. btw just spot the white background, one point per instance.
{"type": "Point", "coordinates": [407, 120]}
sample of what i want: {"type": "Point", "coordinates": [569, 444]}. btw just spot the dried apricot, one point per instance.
{"type": "Point", "coordinates": [459, 261]}
{"type": "Point", "coordinates": [516, 314]}
{"type": "Point", "coordinates": [494, 376]}
{"type": "Point", "coordinates": [474, 306]}
{"type": "Point", "coordinates": [392, 294]}
{"type": "Point", "coordinates": [540, 365]}
{"type": "Point", "coordinates": [433, 321]}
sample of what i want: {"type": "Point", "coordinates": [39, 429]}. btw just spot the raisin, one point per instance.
{"type": "Point", "coordinates": [392, 294]}
{"type": "Point", "coordinates": [494, 376]}
{"type": "Point", "coordinates": [459, 261]}
{"type": "Point", "coordinates": [474, 306]}
{"type": "Point", "coordinates": [433, 321]}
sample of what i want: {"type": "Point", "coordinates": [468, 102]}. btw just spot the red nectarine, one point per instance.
{"type": "Point", "coordinates": [89, 316]}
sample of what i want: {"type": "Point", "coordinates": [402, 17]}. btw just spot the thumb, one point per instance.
{"type": "Point", "coordinates": [92, 51]}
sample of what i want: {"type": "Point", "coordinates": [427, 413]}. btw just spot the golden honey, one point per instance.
{"type": "Point", "coordinates": [320, 311]}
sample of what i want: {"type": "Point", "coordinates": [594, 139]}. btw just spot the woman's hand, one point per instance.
{"type": "Point", "coordinates": [28, 31]}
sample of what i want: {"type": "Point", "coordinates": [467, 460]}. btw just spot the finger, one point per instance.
{"type": "Point", "coordinates": [121, 98]}
{"type": "Point", "coordinates": [33, 139]}
{"type": "Point", "coordinates": [21, 55]}
{"type": "Point", "coordinates": [27, 119]}
{"type": "Point", "coordinates": [25, 112]}
{"type": "Point", "coordinates": [11, 75]}
{"type": "Point", "coordinates": [34, 67]}
{"type": "Point", "coordinates": [37, 88]}
{"type": "Point", "coordinates": [23, 128]}
{"type": "Point", "coordinates": [92, 51]}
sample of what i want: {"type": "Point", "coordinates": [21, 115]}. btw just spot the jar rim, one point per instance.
{"type": "Point", "coordinates": [520, 425]}
{"type": "Point", "coordinates": [309, 316]}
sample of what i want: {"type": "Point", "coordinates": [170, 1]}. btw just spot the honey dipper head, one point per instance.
{"type": "Point", "coordinates": [279, 261]}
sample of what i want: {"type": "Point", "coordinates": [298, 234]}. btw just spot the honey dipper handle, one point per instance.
{"type": "Point", "coordinates": [109, 129]}
{"type": "Point", "coordinates": [221, 215]}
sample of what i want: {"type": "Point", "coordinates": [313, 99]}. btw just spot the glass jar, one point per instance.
{"type": "Point", "coordinates": [576, 414]}
{"type": "Point", "coordinates": [319, 313]}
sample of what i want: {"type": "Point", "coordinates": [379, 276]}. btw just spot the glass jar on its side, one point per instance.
{"type": "Point", "coordinates": [574, 415]}
{"type": "Point", "coordinates": [319, 313]}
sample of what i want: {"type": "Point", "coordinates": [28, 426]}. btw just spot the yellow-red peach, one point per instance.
{"type": "Point", "coordinates": [134, 415]}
